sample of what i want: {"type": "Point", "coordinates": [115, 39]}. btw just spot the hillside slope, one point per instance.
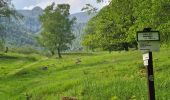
{"type": "Point", "coordinates": [86, 76]}
{"type": "Point", "coordinates": [22, 32]}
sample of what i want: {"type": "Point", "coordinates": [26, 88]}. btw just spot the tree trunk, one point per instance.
{"type": "Point", "coordinates": [110, 49]}
{"type": "Point", "coordinates": [59, 53]}
{"type": "Point", "coordinates": [136, 45]}
{"type": "Point", "coordinates": [125, 45]}
{"type": "Point", "coordinates": [6, 50]}
{"type": "Point", "coordinates": [52, 52]}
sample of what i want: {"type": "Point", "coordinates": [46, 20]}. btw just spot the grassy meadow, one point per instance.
{"type": "Point", "coordinates": [86, 76]}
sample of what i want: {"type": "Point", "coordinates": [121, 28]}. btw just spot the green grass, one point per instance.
{"type": "Point", "coordinates": [99, 76]}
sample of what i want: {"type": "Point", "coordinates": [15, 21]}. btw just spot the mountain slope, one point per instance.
{"type": "Point", "coordinates": [22, 32]}
{"type": "Point", "coordinates": [82, 17]}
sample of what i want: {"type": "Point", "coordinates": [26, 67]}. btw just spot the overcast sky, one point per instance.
{"type": "Point", "coordinates": [76, 5]}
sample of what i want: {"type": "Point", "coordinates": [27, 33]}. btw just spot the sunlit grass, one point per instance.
{"type": "Point", "coordinates": [98, 76]}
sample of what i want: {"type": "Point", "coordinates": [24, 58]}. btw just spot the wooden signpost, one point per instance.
{"type": "Point", "coordinates": [149, 41]}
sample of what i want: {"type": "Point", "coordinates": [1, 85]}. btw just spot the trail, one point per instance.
{"type": "Point", "coordinates": [26, 66]}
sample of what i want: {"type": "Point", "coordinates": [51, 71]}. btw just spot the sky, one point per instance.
{"type": "Point", "coordinates": [76, 5]}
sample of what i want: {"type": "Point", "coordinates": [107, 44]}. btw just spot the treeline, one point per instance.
{"type": "Point", "coordinates": [115, 26]}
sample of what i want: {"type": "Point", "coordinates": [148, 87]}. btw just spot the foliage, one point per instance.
{"type": "Point", "coordinates": [7, 13]}
{"type": "Point", "coordinates": [89, 9]}
{"type": "Point", "coordinates": [118, 22]}
{"type": "Point", "coordinates": [8, 10]}
{"type": "Point", "coordinates": [57, 28]}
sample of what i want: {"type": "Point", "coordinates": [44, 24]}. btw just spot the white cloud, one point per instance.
{"type": "Point", "coordinates": [40, 4]}
{"type": "Point", "coordinates": [76, 5]}
{"type": "Point", "coordinates": [29, 7]}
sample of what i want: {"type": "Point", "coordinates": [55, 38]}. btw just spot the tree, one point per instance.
{"type": "Point", "coordinates": [6, 11]}
{"type": "Point", "coordinates": [89, 9]}
{"type": "Point", "coordinates": [116, 24]}
{"type": "Point", "coordinates": [111, 24]}
{"type": "Point", "coordinates": [57, 28]}
{"type": "Point", "coordinates": [153, 14]}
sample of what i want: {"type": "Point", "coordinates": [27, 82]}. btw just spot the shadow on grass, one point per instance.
{"type": "Point", "coordinates": [162, 69]}
{"type": "Point", "coordinates": [38, 72]}
{"type": "Point", "coordinates": [79, 53]}
{"type": "Point", "coordinates": [78, 66]}
{"type": "Point", "coordinates": [7, 57]}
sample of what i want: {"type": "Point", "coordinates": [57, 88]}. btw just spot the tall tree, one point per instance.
{"type": "Point", "coordinates": [57, 28]}
{"type": "Point", "coordinates": [117, 23]}
{"type": "Point", "coordinates": [111, 24]}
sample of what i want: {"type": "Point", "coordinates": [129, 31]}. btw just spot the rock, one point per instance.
{"type": "Point", "coordinates": [44, 68]}
{"type": "Point", "coordinates": [78, 61]}
{"type": "Point", "coordinates": [69, 98]}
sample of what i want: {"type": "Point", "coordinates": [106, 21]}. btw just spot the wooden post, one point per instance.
{"type": "Point", "coordinates": [150, 78]}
